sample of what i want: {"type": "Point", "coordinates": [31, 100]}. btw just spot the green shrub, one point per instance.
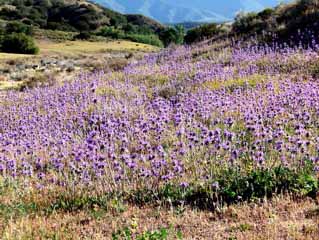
{"type": "Point", "coordinates": [82, 36]}
{"type": "Point", "coordinates": [130, 28]}
{"type": "Point", "coordinates": [111, 32]}
{"type": "Point", "coordinates": [27, 21]}
{"type": "Point", "coordinates": [246, 23]}
{"type": "Point", "coordinates": [172, 35]}
{"type": "Point", "coordinates": [201, 33]}
{"type": "Point", "coordinates": [161, 234]}
{"type": "Point", "coordinates": [61, 26]}
{"type": "Point", "coordinates": [9, 14]}
{"type": "Point", "coordinates": [18, 27]}
{"type": "Point", "coordinates": [234, 186]}
{"type": "Point", "coordinates": [2, 32]}
{"type": "Point", "coordinates": [266, 13]}
{"type": "Point", "coordinates": [19, 43]}
{"type": "Point", "coordinates": [115, 33]}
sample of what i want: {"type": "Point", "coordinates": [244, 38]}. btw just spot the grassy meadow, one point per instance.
{"type": "Point", "coordinates": [9, 56]}
{"type": "Point", "coordinates": [76, 47]}
{"type": "Point", "coordinates": [20, 70]}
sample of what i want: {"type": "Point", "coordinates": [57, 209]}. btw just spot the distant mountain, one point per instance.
{"type": "Point", "coordinates": [167, 11]}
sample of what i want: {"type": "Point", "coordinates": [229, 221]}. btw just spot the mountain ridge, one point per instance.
{"type": "Point", "coordinates": [188, 10]}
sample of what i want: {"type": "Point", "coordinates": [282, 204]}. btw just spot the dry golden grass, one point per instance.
{"type": "Point", "coordinates": [48, 48]}
{"type": "Point", "coordinates": [9, 56]}
{"type": "Point", "coordinates": [74, 47]}
{"type": "Point", "coordinates": [9, 85]}
{"type": "Point", "coordinates": [89, 55]}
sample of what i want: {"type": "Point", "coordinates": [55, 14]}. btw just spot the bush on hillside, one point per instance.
{"type": "Point", "coordinates": [250, 23]}
{"type": "Point", "coordinates": [117, 19]}
{"type": "Point", "coordinates": [60, 26]}
{"type": "Point", "coordinates": [18, 27]}
{"type": "Point", "coordinates": [115, 33]}
{"type": "Point", "coordinates": [9, 13]}
{"type": "Point", "coordinates": [172, 35]}
{"type": "Point", "coordinates": [19, 43]}
{"type": "Point", "coordinates": [111, 32]}
{"type": "Point", "coordinates": [201, 33]}
{"type": "Point", "coordinates": [130, 28]}
{"type": "Point", "coordinates": [82, 36]}
{"type": "Point", "coordinates": [292, 23]}
{"type": "Point", "coordinates": [266, 13]}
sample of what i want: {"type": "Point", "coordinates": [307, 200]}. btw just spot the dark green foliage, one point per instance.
{"type": "Point", "coordinates": [265, 183]}
{"type": "Point", "coordinates": [266, 13]}
{"type": "Point", "coordinates": [115, 33]}
{"type": "Point", "coordinates": [172, 35]}
{"type": "Point", "coordinates": [117, 20]}
{"type": "Point", "coordinates": [249, 23]}
{"type": "Point", "coordinates": [82, 17]}
{"type": "Point", "coordinates": [301, 22]}
{"type": "Point", "coordinates": [61, 26]}
{"type": "Point", "coordinates": [19, 43]}
{"type": "Point", "coordinates": [161, 234]}
{"type": "Point", "coordinates": [111, 32]}
{"type": "Point", "coordinates": [202, 32]}
{"type": "Point", "coordinates": [233, 186]}
{"type": "Point", "coordinates": [2, 32]}
{"type": "Point", "coordinates": [130, 28]}
{"type": "Point", "coordinates": [9, 14]}
{"type": "Point", "coordinates": [72, 16]}
{"type": "Point", "coordinates": [18, 27]}
{"type": "Point", "coordinates": [27, 21]}
{"type": "Point", "coordinates": [294, 23]}
{"type": "Point", "coordinates": [83, 36]}
{"type": "Point", "coordinates": [146, 24]}
{"type": "Point", "coordinates": [315, 70]}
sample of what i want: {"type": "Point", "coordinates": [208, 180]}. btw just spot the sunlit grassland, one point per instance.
{"type": "Point", "coordinates": [67, 50]}
{"type": "Point", "coordinates": [9, 85]}
{"type": "Point", "coordinates": [92, 47]}
{"type": "Point", "coordinates": [81, 47]}
{"type": "Point", "coordinates": [9, 56]}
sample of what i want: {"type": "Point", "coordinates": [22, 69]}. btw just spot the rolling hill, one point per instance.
{"type": "Point", "coordinates": [69, 15]}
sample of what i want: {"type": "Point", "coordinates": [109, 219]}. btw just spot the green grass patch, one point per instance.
{"type": "Point", "coordinates": [127, 233]}
{"type": "Point", "coordinates": [231, 186]}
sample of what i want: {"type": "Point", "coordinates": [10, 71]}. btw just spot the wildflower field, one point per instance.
{"type": "Point", "coordinates": [193, 127]}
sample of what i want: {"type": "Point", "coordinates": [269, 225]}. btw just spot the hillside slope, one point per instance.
{"type": "Point", "coordinates": [200, 142]}
{"type": "Point", "coordinates": [291, 23]}
{"type": "Point", "coordinates": [68, 15]}
{"type": "Point", "coordinates": [295, 22]}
